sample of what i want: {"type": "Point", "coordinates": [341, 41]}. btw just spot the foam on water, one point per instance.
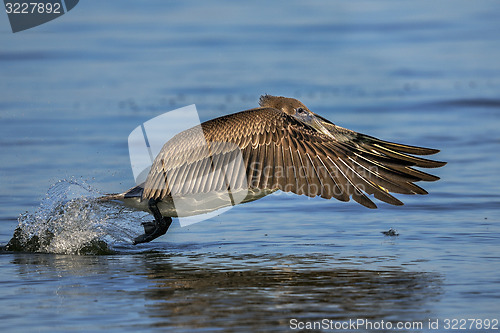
{"type": "Point", "coordinates": [70, 220]}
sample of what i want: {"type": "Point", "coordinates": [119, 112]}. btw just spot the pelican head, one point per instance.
{"type": "Point", "coordinates": [294, 108]}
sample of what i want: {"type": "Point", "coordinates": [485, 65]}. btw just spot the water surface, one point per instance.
{"type": "Point", "coordinates": [421, 73]}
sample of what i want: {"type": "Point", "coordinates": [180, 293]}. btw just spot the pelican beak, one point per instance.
{"type": "Point", "coordinates": [317, 125]}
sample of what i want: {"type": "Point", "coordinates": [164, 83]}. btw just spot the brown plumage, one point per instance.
{"type": "Point", "coordinates": [284, 146]}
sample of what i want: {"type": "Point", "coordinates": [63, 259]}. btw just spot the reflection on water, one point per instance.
{"type": "Point", "coordinates": [269, 298]}
{"type": "Point", "coordinates": [265, 296]}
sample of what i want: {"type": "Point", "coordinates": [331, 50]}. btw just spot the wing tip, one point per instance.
{"type": "Point", "coordinates": [427, 151]}
{"type": "Point", "coordinates": [362, 199]}
{"type": "Point", "coordinates": [440, 164]}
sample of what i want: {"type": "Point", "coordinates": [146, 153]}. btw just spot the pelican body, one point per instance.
{"type": "Point", "coordinates": [281, 145]}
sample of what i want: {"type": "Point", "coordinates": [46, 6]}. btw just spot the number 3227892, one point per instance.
{"type": "Point", "coordinates": [463, 324]}
{"type": "Point", "coordinates": [33, 8]}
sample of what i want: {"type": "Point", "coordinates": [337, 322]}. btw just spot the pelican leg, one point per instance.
{"type": "Point", "coordinates": [155, 229]}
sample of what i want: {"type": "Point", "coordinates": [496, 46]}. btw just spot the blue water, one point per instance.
{"type": "Point", "coordinates": [424, 73]}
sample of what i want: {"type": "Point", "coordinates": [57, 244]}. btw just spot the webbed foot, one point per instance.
{"type": "Point", "coordinates": [155, 229]}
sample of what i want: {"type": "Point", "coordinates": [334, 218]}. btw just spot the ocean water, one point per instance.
{"type": "Point", "coordinates": [423, 73]}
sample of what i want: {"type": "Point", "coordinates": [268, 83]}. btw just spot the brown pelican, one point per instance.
{"type": "Point", "coordinates": [281, 145]}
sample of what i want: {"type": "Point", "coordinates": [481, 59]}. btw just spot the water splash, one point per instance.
{"type": "Point", "coordinates": [70, 220]}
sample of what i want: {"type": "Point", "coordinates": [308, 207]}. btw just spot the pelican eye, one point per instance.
{"type": "Point", "coordinates": [300, 110]}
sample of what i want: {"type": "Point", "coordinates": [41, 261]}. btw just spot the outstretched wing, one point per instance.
{"type": "Point", "coordinates": [280, 152]}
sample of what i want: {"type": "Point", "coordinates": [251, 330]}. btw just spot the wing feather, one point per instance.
{"type": "Point", "coordinates": [280, 152]}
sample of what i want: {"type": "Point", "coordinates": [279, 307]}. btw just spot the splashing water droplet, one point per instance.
{"type": "Point", "coordinates": [70, 220]}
